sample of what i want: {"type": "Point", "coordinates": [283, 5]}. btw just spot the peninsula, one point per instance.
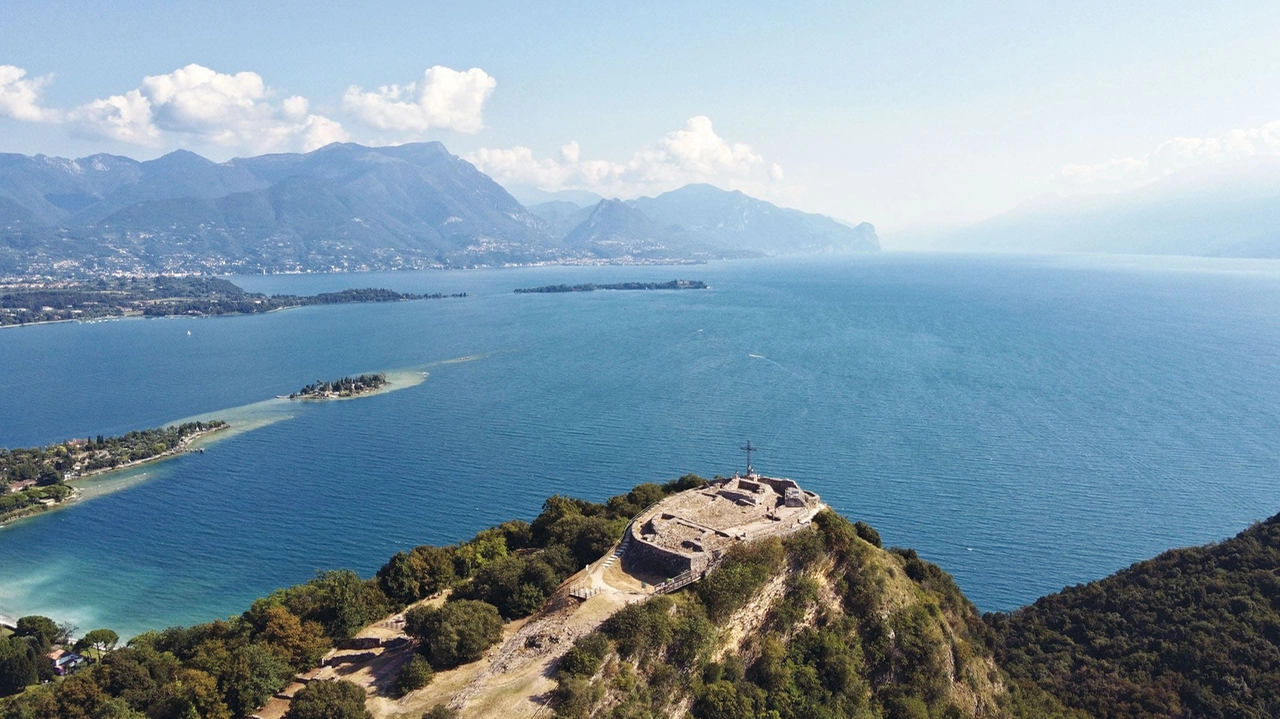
{"type": "Point", "coordinates": [672, 285]}
{"type": "Point", "coordinates": [163, 296]}
{"type": "Point", "coordinates": [342, 388]}
{"type": "Point", "coordinates": [35, 479]}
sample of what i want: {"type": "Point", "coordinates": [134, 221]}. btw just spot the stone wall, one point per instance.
{"type": "Point", "coordinates": [653, 559]}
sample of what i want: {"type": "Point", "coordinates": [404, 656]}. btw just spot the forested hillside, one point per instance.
{"type": "Point", "coordinates": [1192, 633]}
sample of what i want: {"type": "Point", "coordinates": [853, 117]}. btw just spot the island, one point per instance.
{"type": "Point", "coordinates": [35, 479]}
{"type": "Point", "coordinates": [672, 285]}
{"type": "Point", "coordinates": [342, 388]}
{"type": "Point", "coordinates": [164, 296]}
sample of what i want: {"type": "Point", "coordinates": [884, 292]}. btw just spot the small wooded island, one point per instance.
{"type": "Point", "coordinates": [345, 387]}
{"type": "Point", "coordinates": [672, 285]}
{"type": "Point", "coordinates": [164, 296]}
{"type": "Point", "coordinates": [34, 479]}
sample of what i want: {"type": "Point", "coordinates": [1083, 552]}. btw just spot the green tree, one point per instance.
{"type": "Point", "coordinates": [456, 633]}
{"type": "Point", "coordinates": [338, 699]}
{"type": "Point", "coordinates": [43, 630]}
{"type": "Point", "coordinates": [415, 674]}
{"type": "Point", "coordinates": [255, 674]}
{"type": "Point", "coordinates": [18, 665]}
{"type": "Point", "coordinates": [100, 640]}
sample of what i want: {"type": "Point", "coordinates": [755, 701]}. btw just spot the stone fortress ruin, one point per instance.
{"type": "Point", "coordinates": [687, 534]}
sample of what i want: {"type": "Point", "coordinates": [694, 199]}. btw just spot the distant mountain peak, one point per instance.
{"type": "Point", "coordinates": [350, 206]}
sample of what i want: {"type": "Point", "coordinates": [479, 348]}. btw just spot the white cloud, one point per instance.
{"type": "Point", "coordinates": [191, 104]}
{"type": "Point", "coordinates": [1180, 153]}
{"type": "Point", "coordinates": [444, 99]}
{"type": "Point", "coordinates": [694, 153]}
{"type": "Point", "coordinates": [124, 117]}
{"type": "Point", "coordinates": [20, 96]}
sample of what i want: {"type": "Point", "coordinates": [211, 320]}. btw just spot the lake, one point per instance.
{"type": "Point", "coordinates": [1025, 422]}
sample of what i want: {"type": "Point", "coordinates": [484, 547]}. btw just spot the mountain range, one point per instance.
{"type": "Point", "coordinates": [350, 207]}
{"type": "Point", "coordinates": [1228, 210]}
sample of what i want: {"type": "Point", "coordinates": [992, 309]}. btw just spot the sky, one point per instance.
{"type": "Point", "coordinates": [909, 115]}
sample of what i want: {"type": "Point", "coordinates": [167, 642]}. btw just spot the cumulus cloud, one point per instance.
{"type": "Point", "coordinates": [193, 103]}
{"type": "Point", "coordinates": [694, 153]}
{"type": "Point", "coordinates": [20, 96]}
{"type": "Point", "coordinates": [124, 117]}
{"type": "Point", "coordinates": [1180, 153]}
{"type": "Point", "coordinates": [233, 111]}
{"type": "Point", "coordinates": [444, 99]}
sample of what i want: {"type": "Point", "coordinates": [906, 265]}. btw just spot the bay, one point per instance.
{"type": "Point", "coordinates": [1025, 422]}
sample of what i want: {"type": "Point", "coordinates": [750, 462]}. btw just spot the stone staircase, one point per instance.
{"type": "Point", "coordinates": [617, 553]}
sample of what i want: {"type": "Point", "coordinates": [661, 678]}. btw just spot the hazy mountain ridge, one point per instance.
{"type": "Point", "coordinates": [348, 207]}
{"type": "Point", "coordinates": [735, 220]}
{"type": "Point", "coordinates": [703, 221]}
{"type": "Point", "coordinates": [1231, 211]}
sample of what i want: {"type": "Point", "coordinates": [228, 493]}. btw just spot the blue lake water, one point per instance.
{"type": "Point", "coordinates": [1025, 422]}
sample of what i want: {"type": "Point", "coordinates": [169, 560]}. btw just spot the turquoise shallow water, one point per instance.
{"type": "Point", "coordinates": [1026, 422]}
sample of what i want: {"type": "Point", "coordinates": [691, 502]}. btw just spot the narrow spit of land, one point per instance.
{"type": "Point", "coordinates": [163, 296]}
{"type": "Point", "coordinates": [672, 285]}
{"type": "Point", "coordinates": [35, 479]}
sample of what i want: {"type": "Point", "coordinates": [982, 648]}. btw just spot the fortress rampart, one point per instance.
{"type": "Point", "coordinates": [691, 531]}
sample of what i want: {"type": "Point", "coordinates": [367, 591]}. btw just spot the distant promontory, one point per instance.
{"type": "Point", "coordinates": [672, 285]}
{"type": "Point", "coordinates": [164, 296]}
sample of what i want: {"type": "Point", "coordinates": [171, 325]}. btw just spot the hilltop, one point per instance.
{"type": "Point", "coordinates": [786, 610]}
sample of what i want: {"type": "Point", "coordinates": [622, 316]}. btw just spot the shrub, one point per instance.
{"type": "Point", "coordinates": [515, 584]}
{"type": "Point", "coordinates": [639, 628]}
{"type": "Point", "coordinates": [867, 532]}
{"type": "Point", "coordinates": [805, 547]}
{"type": "Point", "coordinates": [440, 711]}
{"type": "Point", "coordinates": [415, 674]}
{"type": "Point", "coordinates": [585, 656]}
{"type": "Point", "coordinates": [456, 633]}
{"type": "Point", "coordinates": [692, 637]}
{"type": "Point", "coordinates": [688, 481]}
{"type": "Point", "coordinates": [744, 571]}
{"type": "Point", "coordinates": [328, 700]}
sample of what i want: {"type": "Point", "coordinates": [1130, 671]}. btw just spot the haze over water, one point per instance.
{"type": "Point", "coordinates": [1025, 422]}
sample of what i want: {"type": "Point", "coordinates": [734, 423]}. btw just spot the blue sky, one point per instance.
{"type": "Point", "coordinates": [902, 114]}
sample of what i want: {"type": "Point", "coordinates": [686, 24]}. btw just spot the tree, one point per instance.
{"type": "Point", "coordinates": [456, 633]}
{"type": "Point", "coordinates": [100, 640]}
{"type": "Point", "coordinates": [18, 665]}
{"type": "Point", "coordinates": [415, 674]}
{"type": "Point", "coordinates": [190, 693]}
{"type": "Point", "coordinates": [410, 576]}
{"type": "Point", "coordinates": [43, 630]}
{"type": "Point", "coordinates": [339, 600]}
{"type": "Point", "coordinates": [328, 700]}
{"type": "Point", "coordinates": [299, 643]}
{"type": "Point", "coordinates": [255, 675]}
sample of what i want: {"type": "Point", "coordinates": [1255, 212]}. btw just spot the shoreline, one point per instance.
{"type": "Point", "coordinates": [184, 446]}
{"type": "Point", "coordinates": [238, 420]}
